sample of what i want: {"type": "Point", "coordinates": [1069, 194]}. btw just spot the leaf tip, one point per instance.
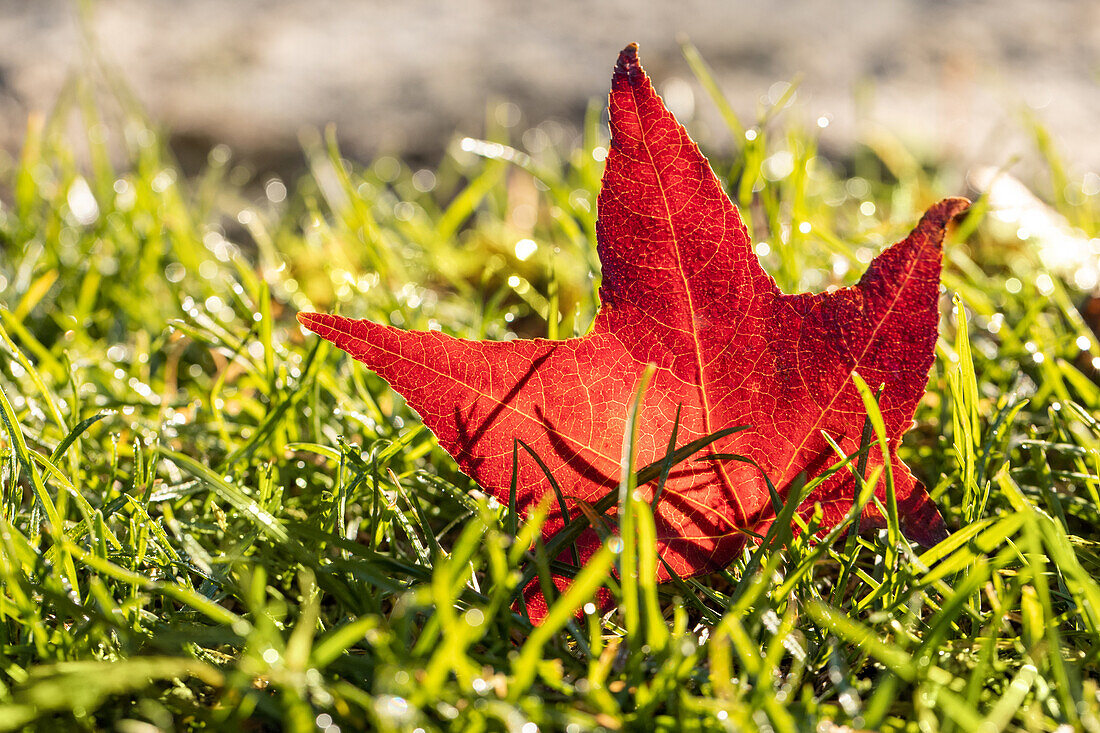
{"type": "Point", "coordinates": [932, 227]}
{"type": "Point", "coordinates": [940, 214]}
{"type": "Point", "coordinates": [628, 64]}
{"type": "Point", "coordinates": [309, 319]}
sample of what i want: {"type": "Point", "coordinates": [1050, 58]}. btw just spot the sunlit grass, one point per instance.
{"type": "Point", "coordinates": [209, 517]}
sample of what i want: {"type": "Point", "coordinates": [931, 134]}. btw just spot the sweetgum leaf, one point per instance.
{"type": "Point", "coordinates": [682, 289]}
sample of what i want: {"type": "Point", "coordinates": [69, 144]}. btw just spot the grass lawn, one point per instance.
{"type": "Point", "coordinates": [211, 520]}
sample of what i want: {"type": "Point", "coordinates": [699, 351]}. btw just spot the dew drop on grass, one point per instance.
{"type": "Point", "coordinates": [275, 190]}
{"type": "Point", "coordinates": [536, 140]}
{"type": "Point", "coordinates": [579, 199]}
{"type": "Point", "coordinates": [82, 202]}
{"type": "Point", "coordinates": [387, 169]}
{"type": "Point", "coordinates": [423, 180]}
{"type": "Point", "coordinates": [220, 154]}
{"type": "Point", "coordinates": [524, 249]}
{"type": "Point", "coordinates": [1086, 278]}
{"type": "Point", "coordinates": [778, 166]}
{"type": "Point", "coordinates": [849, 701]}
{"type": "Point", "coordinates": [163, 180]}
{"type": "Point", "coordinates": [1045, 284]}
{"type": "Point", "coordinates": [174, 272]}
{"type": "Point", "coordinates": [857, 188]}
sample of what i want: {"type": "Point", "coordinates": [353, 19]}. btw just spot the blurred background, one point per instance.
{"type": "Point", "coordinates": [952, 80]}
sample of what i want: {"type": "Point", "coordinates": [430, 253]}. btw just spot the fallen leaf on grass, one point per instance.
{"type": "Point", "coordinates": [683, 290]}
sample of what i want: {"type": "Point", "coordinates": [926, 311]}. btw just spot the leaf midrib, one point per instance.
{"type": "Point", "coordinates": [697, 347]}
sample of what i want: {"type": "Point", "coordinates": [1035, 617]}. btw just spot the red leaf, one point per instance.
{"type": "Point", "coordinates": [683, 290]}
